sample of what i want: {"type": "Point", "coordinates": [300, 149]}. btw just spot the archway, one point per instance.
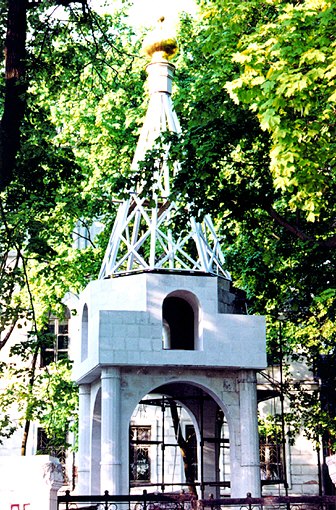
{"type": "Point", "coordinates": [96, 445]}
{"type": "Point", "coordinates": [180, 321]}
{"type": "Point", "coordinates": [85, 333]}
{"type": "Point", "coordinates": [179, 440]}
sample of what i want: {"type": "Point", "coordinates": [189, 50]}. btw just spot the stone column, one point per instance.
{"type": "Point", "coordinates": [53, 478]}
{"type": "Point", "coordinates": [111, 431]}
{"type": "Point", "coordinates": [210, 459]}
{"type": "Point", "coordinates": [84, 440]}
{"type": "Point", "coordinates": [249, 476]}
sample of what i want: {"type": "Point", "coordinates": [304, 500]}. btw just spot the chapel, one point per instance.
{"type": "Point", "coordinates": [168, 355]}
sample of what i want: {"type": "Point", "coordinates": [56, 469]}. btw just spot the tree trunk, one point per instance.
{"type": "Point", "coordinates": [31, 382]}
{"type": "Point", "coordinates": [184, 448]}
{"type": "Point", "coordinates": [15, 88]}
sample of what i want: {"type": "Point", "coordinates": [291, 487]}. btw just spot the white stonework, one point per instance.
{"type": "Point", "coordinates": [125, 326]}
{"type": "Point", "coordinates": [125, 356]}
{"type": "Point", "coordinates": [331, 463]}
{"type": "Point", "coordinates": [125, 359]}
{"type": "Point", "coordinates": [29, 483]}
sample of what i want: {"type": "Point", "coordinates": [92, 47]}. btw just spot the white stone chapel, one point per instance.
{"type": "Point", "coordinates": [163, 318]}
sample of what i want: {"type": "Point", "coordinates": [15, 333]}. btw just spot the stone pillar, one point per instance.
{"type": "Point", "coordinates": [111, 431]}
{"type": "Point", "coordinates": [210, 459]}
{"type": "Point", "coordinates": [249, 476]}
{"type": "Point", "coordinates": [84, 440]}
{"type": "Point", "coordinates": [30, 482]}
{"type": "Point", "coordinates": [53, 478]}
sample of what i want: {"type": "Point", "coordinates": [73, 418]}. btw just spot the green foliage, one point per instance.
{"type": "Point", "coordinates": [287, 76]}
{"type": "Point", "coordinates": [255, 95]}
{"type": "Point", "coordinates": [306, 410]}
{"type": "Point", "coordinates": [56, 418]}
{"type": "Point", "coordinates": [77, 139]}
{"type": "Point", "coordinates": [256, 101]}
{"type": "Point", "coordinates": [270, 430]}
{"type": "Point", "coordinates": [46, 395]}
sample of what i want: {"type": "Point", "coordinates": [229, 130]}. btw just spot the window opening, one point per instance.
{"type": "Point", "coordinates": [45, 446]}
{"type": "Point", "coordinates": [85, 334]}
{"type": "Point", "coordinates": [178, 324]}
{"type": "Point", "coordinates": [224, 455]}
{"type": "Point", "coordinates": [140, 467]}
{"type": "Point", "coordinates": [271, 461]}
{"type": "Point", "coordinates": [271, 449]}
{"type": "Point", "coordinates": [56, 341]}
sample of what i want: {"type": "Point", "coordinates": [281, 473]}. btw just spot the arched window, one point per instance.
{"type": "Point", "coordinates": [178, 321]}
{"type": "Point", "coordinates": [85, 334]}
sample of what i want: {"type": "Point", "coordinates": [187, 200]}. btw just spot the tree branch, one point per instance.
{"type": "Point", "coordinates": [31, 381]}
{"type": "Point", "coordinates": [8, 334]}
{"type": "Point", "coordinates": [330, 242]}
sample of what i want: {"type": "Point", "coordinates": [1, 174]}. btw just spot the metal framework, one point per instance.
{"type": "Point", "coordinates": [163, 402]}
{"type": "Point", "coordinates": [144, 236]}
{"type": "Point", "coordinates": [185, 502]}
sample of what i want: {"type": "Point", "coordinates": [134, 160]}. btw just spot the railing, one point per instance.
{"type": "Point", "coordinates": [270, 503]}
{"type": "Point", "coordinates": [142, 501]}
{"type": "Point", "coordinates": [186, 502]}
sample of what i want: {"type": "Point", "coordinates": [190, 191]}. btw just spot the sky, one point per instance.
{"type": "Point", "coordinates": [147, 12]}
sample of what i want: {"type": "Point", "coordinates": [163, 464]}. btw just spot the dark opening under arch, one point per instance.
{"type": "Point", "coordinates": [179, 321]}
{"type": "Point", "coordinates": [85, 333]}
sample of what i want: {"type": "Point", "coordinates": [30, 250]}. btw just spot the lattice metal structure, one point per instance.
{"type": "Point", "coordinates": [143, 236]}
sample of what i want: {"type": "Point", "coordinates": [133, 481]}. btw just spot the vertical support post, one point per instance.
{"type": "Point", "coordinates": [249, 476]}
{"type": "Point", "coordinates": [283, 431]}
{"type": "Point", "coordinates": [202, 446]}
{"type": "Point", "coordinates": [67, 494]}
{"type": "Point", "coordinates": [84, 443]}
{"type": "Point", "coordinates": [110, 437]}
{"type": "Point", "coordinates": [106, 495]}
{"type": "Point", "coordinates": [163, 445]}
{"type": "Point", "coordinates": [153, 227]}
{"type": "Point", "coordinates": [145, 499]}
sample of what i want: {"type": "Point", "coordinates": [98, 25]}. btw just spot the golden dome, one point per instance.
{"type": "Point", "coordinates": [160, 43]}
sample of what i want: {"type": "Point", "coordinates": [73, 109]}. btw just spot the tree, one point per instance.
{"type": "Point", "coordinates": [255, 154]}
{"type": "Point", "coordinates": [185, 447]}
{"type": "Point", "coordinates": [72, 67]}
{"type": "Point", "coordinates": [256, 82]}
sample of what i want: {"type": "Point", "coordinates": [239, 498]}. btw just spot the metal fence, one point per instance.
{"type": "Point", "coordinates": [186, 502]}
{"type": "Point", "coordinates": [270, 503]}
{"type": "Point", "coordinates": [142, 501]}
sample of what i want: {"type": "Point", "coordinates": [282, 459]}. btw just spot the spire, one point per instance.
{"type": "Point", "coordinates": [143, 237]}
{"type": "Point", "coordinates": [160, 46]}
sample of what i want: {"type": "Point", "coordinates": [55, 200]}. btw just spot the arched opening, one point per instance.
{"type": "Point", "coordinates": [85, 334]}
{"type": "Point", "coordinates": [96, 446]}
{"type": "Point", "coordinates": [179, 323]}
{"type": "Point", "coordinates": [179, 440]}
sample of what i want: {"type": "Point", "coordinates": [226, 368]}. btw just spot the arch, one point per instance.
{"type": "Point", "coordinates": [140, 392]}
{"type": "Point", "coordinates": [85, 333]}
{"type": "Point", "coordinates": [180, 321]}
{"type": "Point", "coordinates": [200, 408]}
{"type": "Point", "coordinates": [96, 445]}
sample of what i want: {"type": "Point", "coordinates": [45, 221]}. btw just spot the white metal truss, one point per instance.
{"type": "Point", "coordinates": [160, 118]}
{"type": "Point", "coordinates": [143, 237]}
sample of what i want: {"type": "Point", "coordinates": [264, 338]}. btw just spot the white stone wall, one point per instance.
{"type": "Point", "coordinates": [301, 457]}
{"type": "Point", "coordinates": [29, 483]}
{"type": "Point", "coordinates": [125, 326]}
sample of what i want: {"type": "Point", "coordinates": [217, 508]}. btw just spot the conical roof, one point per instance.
{"type": "Point", "coordinates": [144, 237]}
